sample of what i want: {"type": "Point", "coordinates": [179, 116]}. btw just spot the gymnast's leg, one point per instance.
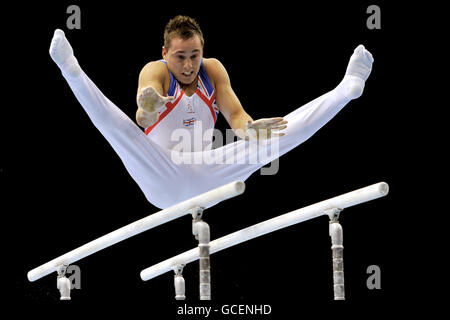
{"type": "Point", "coordinates": [308, 119]}
{"type": "Point", "coordinates": [148, 163]}
{"type": "Point", "coordinates": [302, 124]}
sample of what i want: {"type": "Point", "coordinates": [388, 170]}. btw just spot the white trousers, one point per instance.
{"type": "Point", "coordinates": [166, 182]}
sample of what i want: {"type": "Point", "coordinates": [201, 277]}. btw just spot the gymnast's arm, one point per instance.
{"type": "Point", "coordinates": [234, 113]}
{"type": "Point", "coordinates": [227, 100]}
{"type": "Point", "coordinates": [152, 75]}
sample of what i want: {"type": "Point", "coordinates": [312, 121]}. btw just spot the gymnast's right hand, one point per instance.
{"type": "Point", "coordinates": [150, 102]}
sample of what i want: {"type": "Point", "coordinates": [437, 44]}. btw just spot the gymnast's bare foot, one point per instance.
{"type": "Point", "coordinates": [358, 70]}
{"type": "Point", "coordinates": [62, 53]}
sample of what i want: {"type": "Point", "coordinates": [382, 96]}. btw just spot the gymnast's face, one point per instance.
{"type": "Point", "coordinates": [184, 58]}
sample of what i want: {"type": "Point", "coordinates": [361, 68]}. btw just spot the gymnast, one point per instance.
{"type": "Point", "coordinates": [185, 91]}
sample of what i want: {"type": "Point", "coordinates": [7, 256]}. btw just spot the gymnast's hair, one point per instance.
{"type": "Point", "coordinates": [184, 27]}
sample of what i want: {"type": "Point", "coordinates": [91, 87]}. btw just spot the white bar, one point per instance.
{"type": "Point", "coordinates": [205, 200]}
{"type": "Point", "coordinates": [343, 201]}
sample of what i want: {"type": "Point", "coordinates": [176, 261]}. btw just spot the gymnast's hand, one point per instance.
{"type": "Point", "coordinates": [150, 103]}
{"type": "Point", "coordinates": [264, 128]}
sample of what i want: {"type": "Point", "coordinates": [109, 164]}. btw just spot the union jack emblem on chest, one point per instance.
{"type": "Point", "coordinates": [189, 122]}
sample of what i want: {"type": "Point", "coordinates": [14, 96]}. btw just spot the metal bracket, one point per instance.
{"type": "Point", "coordinates": [333, 213]}
{"type": "Point", "coordinates": [196, 213]}
{"type": "Point", "coordinates": [61, 270]}
{"type": "Point", "coordinates": [178, 269]}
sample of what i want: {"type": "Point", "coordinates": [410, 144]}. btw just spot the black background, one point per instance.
{"type": "Point", "coordinates": [64, 185]}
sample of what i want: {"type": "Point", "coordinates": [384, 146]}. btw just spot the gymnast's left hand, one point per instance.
{"type": "Point", "coordinates": [266, 128]}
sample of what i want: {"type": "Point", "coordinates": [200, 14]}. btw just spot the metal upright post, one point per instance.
{"type": "Point", "coordinates": [200, 230]}
{"type": "Point", "coordinates": [180, 288]}
{"type": "Point", "coordinates": [335, 231]}
{"type": "Point", "coordinates": [62, 283]}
